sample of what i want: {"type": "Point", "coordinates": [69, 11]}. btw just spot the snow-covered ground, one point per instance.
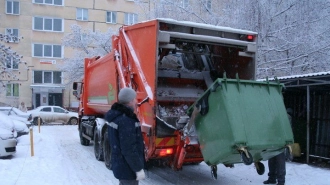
{"type": "Point", "coordinates": [60, 159]}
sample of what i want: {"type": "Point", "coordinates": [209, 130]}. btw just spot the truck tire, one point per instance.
{"type": "Point", "coordinates": [107, 150]}
{"type": "Point", "coordinates": [98, 147]}
{"type": "Point", "coordinates": [83, 141]}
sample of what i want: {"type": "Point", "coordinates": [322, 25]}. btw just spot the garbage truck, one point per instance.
{"type": "Point", "coordinates": [194, 83]}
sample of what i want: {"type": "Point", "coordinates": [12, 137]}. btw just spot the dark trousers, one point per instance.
{"type": "Point", "coordinates": [276, 167]}
{"type": "Point", "coordinates": [128, 182]}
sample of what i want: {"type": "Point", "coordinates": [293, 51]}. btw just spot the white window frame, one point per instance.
{"type": "Point", "coordinates": [10, 60]}
{"type": "Point", "coordinates": [47, 2]}
{"type": "Point", "coordinates": [10, 90]}
{"type": "Point", "coordinates": [13, 4]}
{"type": "Point", "coordinates": [44, 19]}
{"type": "Point", "coordinates": [45, 48]}
{"type": "Point", "coordinates": [51, 78]}
{"type": "Point", "coordinates": [113, 17]}
{"type": "Point", "coordinates": [10, 31]}
{"type": "Point", "coordinates": [83, 13]}
{"type": "Point", "coordinates": [130, 18]}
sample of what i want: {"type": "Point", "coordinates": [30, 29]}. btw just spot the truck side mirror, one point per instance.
{"type": "Point", "coordinates": [74, 86]}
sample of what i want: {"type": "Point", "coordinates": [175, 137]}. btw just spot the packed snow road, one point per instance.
{"type": "Point", "coordinates": [59, 158]}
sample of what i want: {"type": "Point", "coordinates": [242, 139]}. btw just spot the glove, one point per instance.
{"type": "Point", "coordinates": [140, 175]}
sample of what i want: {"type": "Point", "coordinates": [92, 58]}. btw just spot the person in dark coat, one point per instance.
{"type": "Point", "coordinates": [126, 141]}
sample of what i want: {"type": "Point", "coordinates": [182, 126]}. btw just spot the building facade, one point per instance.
{"type": "Point", "coordinates": [42, 24]}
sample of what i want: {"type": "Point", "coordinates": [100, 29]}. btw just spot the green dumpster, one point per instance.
{"type": "Point", "coordinates": [241, 121]}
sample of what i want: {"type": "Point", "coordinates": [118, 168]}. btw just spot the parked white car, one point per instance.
{"type": "Point", "coordinates": [17, 114]}
{"type": "Point", "coordinates": [7, 143]}
{"type": "Point", "coordinates": [7, 124]}
{"type": "Point", "coordinates": [49, 114]}
{"type": "Point", "coordinates": [20, 127]}
{"type": "Point", "coordinates": [8, 136]}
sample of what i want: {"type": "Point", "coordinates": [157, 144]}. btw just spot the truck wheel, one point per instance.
{"type": "Point", "coordinates": [73, 121]}
{"type": "Point", "coordinates": [83, 141]}
{"type": "Point", "coordinates": [247, 160]}
{"type": "Point", "coordinates": [98, 150]}
{"type": "Point", "coordinates": [107, 150]}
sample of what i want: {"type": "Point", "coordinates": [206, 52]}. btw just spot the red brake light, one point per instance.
{"type": "Point", "coordinates": [164, 152]}
{"type": "Point", "coordinates": [250, 37]}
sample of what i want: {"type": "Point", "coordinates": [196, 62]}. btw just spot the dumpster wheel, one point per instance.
{"type": "Point", "coordinates": [288, 153]}
{"type": "Point", "coordinates": [246, 157]}
{"type": "Point", "coordinates": [214, 170]}
{"type": "Point", "coordinates": [260, 168]}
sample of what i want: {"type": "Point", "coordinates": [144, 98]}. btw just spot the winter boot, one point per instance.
{"type": "Point", "coordinates": [270, 182]}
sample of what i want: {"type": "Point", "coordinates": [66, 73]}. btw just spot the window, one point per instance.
{"type": "Point", "coordinates": [49, 2]}
{"type": "Point", "coordinates": [12, 90]}
{"type": "Point", "coordinates": [57, 77]}
{"type": "Point", "coordinates": [50, 77]}
{"type": "Point", "coordinates": [47, 50]}
{"type": "Point", "coordinates": [47, 24]}
{"type": "Point", "coordinates": [82, 14]}
{"type": "Point", "coordinates": [112, 17]}
{"type": "Point", "coordinates": [11, 63]}
{"type": "Point", "coordinates": [12, 7]}
{"type": "Point", "coordinates": [184, 3]}
{"type": "Point", "coordinates": [58, 110]}
{"type": "Point", "coordinates": [13, 34]}
{"type": "Point", "coordinates": [46, 109]}
{"type": "Point", "coordinates": [130, 18]}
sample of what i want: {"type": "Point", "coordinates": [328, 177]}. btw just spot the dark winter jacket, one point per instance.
{"type": "Point", "coordinates": [127, 148]}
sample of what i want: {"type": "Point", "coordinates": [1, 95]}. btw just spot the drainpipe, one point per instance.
{"type": "Point", "coordinates": [307, 125]}
{"type": "Point", "coordinates": [32, 102]}
{"type": "Point", "coordinates": [93, 21]}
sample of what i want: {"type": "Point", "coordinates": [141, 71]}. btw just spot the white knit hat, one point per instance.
{"type": "Point", "coordinates": [126, 95]}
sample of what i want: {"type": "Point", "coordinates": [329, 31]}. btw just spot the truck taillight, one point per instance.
{"type": "Point", "coordinates": [164, 152]}
{"type": "Point", "coordinates": [250, 37]}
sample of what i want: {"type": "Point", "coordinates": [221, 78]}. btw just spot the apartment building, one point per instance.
{"type": "Point", "coordinates": [42, 24]}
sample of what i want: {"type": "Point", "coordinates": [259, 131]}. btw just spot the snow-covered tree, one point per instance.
{"type": "Point", "coordinates": [202, 11]}
{"type": "Point", "coordinates": [293, 36]}
{"type": "Point", "coordinates": [84, 43]}
{"type": "Point", "coordinates": [9, 61]}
